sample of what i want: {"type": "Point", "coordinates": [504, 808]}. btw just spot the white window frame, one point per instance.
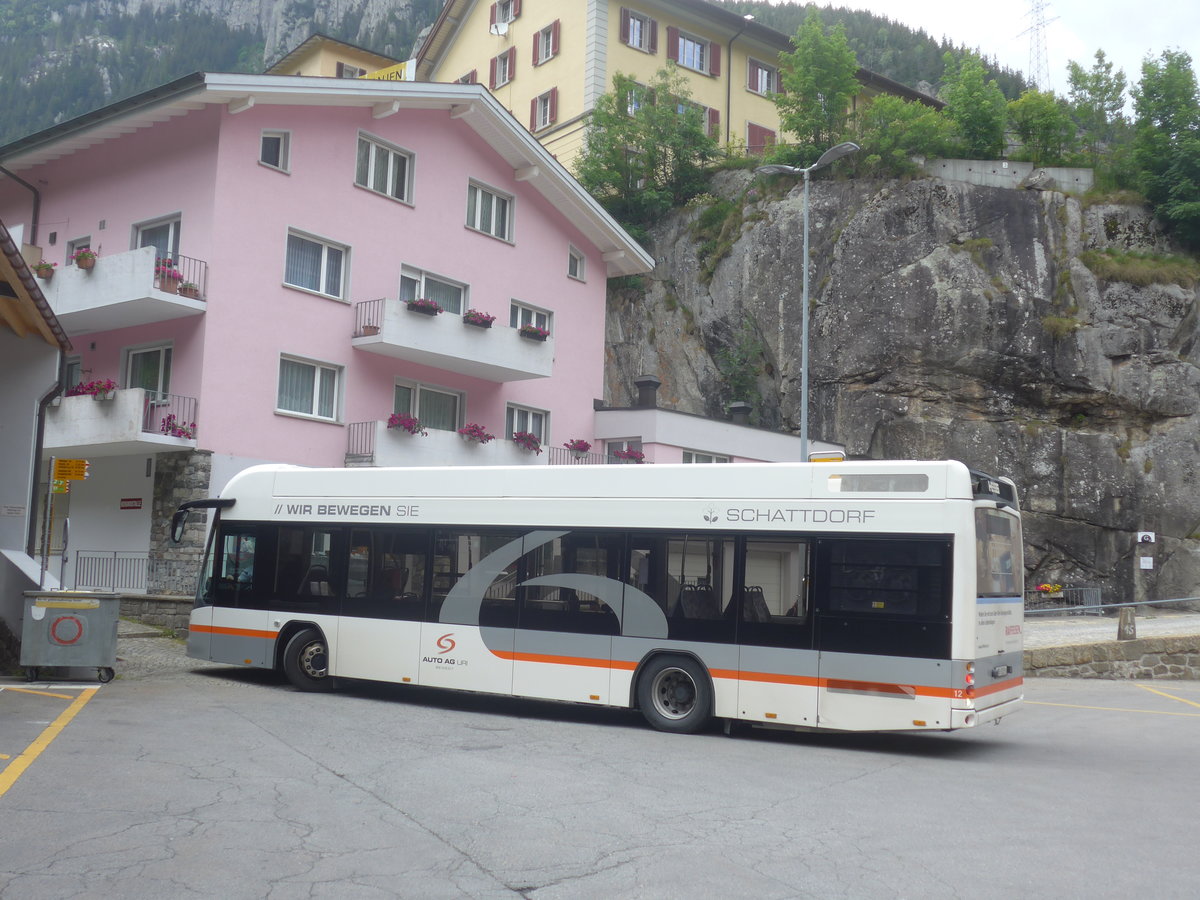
{"type": "Point", "coordinates": [418, 390]}
{"type": "Point", "coordinates": [504, 72]}
{"type": "Point", "coordinates": [160, 393]}
{"type": "Point", "coordinates": [493, 222]}
{"type": "Point", "coordinates": [173, 223]}
{"type": "Point", "coordinates": [527, 418]}
{"type": "Point", "coordinates": [285, 149]}
{"type": "Point", "coordinates": [423, 277]}
{"type": "Point", "coordinates": [326, 246]}
{"type": "Point", "coordinates": [72, 372]}
{"type": "Point", "coordinates": [345, 70]}
{"type": "Point", "coordinates": [318, 368]}
{"type": "Point", "coordinates": [641, 24]}
{"type": "Point", "coordinates": [523, 314]}
{"type": "Point", "coordinates": [506, 11]}
{"type": "Point", "coordinates": [700, 457]}
{"type": "Point", "coordinates": [545, 103]}
{"type": "Point", "coordinates": [74, 246]}
{"type": "Point", "coordinates": [701, 46]}
{"type": "Point", "coordinates": [546, 44]}
{"type": "Point", "coordinates": [772, 72]}
{"type": "Point", "coordinates": [383, 153]}
{"type": "Point", "coordinates": [578, 261]}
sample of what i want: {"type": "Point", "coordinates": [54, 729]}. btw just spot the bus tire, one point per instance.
{"type": "Point", "coordinates": [306, 661]}
{"type": "Point", "coordinates": [675, 695]}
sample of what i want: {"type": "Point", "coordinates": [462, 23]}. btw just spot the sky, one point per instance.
{"type": "Point", "coordinates": [1075, 30]}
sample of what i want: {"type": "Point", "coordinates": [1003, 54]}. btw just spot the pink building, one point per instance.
{"type": "Point", "coordinates": [257, 241]}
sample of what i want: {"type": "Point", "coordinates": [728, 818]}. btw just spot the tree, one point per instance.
{"type": "Point", "coordinates": [819, 80]}
{"type": "Point", "coordinates": [977, 109]}
{"type": "Point", "coordinates": [892, 131]}
{"type": "Point", "coordinates": [1043, 123]}
{"type": "Point", "coordinates": [1097, 100]}
{"type": "Point", "coordinates": [1166, 142]}
{"type": "Point", "coordinates": [646, 149]}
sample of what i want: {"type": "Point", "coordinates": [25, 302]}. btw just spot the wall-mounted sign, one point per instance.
{"type": "Point", "coordinates": [131, 503]}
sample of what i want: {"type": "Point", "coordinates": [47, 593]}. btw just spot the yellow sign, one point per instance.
{"type": "Point", "coordinates": [71, 469]}
{"type": "Point", "coordinates": [404, 71]}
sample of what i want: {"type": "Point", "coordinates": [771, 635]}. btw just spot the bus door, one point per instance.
{"type": "Point", "coordinates": [467, 640]}
{"type": "Point", "coordinates": [380, 630]}
{"type": "Point", "coordinates": [883, 631]}
{"type": "Point", "coordinates": [778, 667]}
{"type": "Point", "coordinates": [238, 627]}
{"type": "Point", "coordinates": [569, 590]}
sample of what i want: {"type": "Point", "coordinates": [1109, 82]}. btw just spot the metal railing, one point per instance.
{"type": "Point", "coordinates": [1073, 600]}
{"type": "Point", "coordinates": [368, 317]}
{"type": "Point", "coordinates": [561, 456]}
{"type": "Point", "coordinates": [171, 414]}
{"type": "Point", "coordinates": [360, 443]}
{"type": "Point", "coordinates": [191, 271]}
{"type": "Point", "coordinates": [113, 570]}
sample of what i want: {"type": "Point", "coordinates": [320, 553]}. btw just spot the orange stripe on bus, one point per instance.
{"type": "Point", "coordinates": [999, 686]}
{"type": "Point", "coordinates": [234, 632]}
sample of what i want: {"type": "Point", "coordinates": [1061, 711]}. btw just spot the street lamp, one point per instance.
{"type": "Point", "coordinates": [829, 156]}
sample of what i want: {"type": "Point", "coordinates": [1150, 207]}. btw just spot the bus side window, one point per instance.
{"type": "Point", "coordinates": [233, 575]}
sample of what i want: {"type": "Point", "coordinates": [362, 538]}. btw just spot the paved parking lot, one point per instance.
{"type": "Point", "coordinates": [206, 781]}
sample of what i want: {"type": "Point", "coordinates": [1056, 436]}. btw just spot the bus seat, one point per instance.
{"type": "Point", "coordinates": [315, 583]}
{"type": "Point", "coordinates": [697, 601]}
{"type": "Point", "coordinates": [754, 605]}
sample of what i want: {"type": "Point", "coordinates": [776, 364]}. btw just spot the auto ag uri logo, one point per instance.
{"type": "Point", "coordinates": [710, 514]}
{"type": "Point", "coordinates": [446, 643]}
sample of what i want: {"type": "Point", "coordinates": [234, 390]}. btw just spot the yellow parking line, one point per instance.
{"type": "Point", "coordinates": [1170, 696]}
{"type": "Point", "coordinates": [1153, 712]}
{"type": "Point", "coordinates": [18, 766]}
{"type": "Point", "coordinates": [41, 693]}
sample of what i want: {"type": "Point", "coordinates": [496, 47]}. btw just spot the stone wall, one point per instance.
{"type": "Point", "coordinates": [1156, 657]}
{"type": "Point", "coordinates": [178, 477]}
{"type": "Point", "coordinates": [160, 611]}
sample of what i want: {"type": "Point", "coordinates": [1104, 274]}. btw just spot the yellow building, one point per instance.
{"type": "Point", "coordinates": [549, 61]}
{"type": "Point", "coordinates": [325, 56]}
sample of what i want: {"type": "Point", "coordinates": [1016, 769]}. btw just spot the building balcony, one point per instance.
{"type": "Point", "coordinates": [132, 421]}
{"type": "Point", "coordinates": [446, 341]}
{"type": "Point", "coordinates": [123, 290]}
{"type": "Point", "coordinates": [374, 444]}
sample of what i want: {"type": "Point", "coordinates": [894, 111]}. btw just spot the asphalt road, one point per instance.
{"type": "Point", "coordinates": [220, 782]}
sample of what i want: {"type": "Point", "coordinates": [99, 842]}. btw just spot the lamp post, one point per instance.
{"type": "Point", "coordinates": [832, 154]}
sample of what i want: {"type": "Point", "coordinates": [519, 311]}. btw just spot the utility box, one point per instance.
{"type": "Point", "coordinates": [69, 630]}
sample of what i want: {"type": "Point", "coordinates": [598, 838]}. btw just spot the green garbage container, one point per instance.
{"type": "Point", "coordinates": [72, 630]}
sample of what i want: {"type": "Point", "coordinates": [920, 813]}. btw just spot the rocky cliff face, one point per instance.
{"type": "Point", "coordinates": [947, 321]}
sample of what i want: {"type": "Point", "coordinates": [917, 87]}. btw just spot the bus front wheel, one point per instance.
{"type": "Point", "coordinates": [306, 661]}
{"type": "Point", "coordinates": [674, 694]}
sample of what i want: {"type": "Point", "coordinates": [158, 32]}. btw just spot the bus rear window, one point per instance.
{"type": "Point", "coordinates": [998, 565]}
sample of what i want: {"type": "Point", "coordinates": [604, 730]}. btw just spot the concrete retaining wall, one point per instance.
{"type": "Point", "coordinates": [1157, 657]}
{"type": "Point", "coordinates": [157, 610]}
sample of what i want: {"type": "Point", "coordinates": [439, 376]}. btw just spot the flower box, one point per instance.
{"type": "Point", "coordinates": [533, 332]}
{"type": "Point", "coordinates": [189, 290]}
{"type": "Point", "coordinates": [424, 306]}
{"type": "Point", "coordinates": [527, 441]}
{"type": "Point", "coordinates": [474, 433]}
{"type": "Point", "coordinates": [478, 319]}
{"type": "Point", "coordinates": [44, 270]}
{"type": "Point", "coordinates": [369, 330]}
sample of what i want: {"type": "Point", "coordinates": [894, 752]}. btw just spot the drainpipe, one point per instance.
{"type": "Point", "coordinates": [31, 538]}
{"type": "Point", "coordinates": [37, 204]}
{"type": "Point", "coordinates": [729, 81]}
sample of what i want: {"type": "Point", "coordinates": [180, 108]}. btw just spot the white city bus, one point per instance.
{"type": "Point", "coordinates": [847, 595]}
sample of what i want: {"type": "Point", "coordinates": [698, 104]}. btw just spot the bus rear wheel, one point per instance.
{"type": "Point", "coordinates": [674, 695]}
{"type": "Point", "coordinates": [306, 661]}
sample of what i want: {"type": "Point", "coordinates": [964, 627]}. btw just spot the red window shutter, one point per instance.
{"type": "Point", "coordinates": [516, 8]}
{"type": "Point", "coordinates": [714, 58]}
{"type": "Point", "coordinates": [754, 139]}
{"type": "Point", "coordinates": [533, 114]}
{"type": "Point", "coordinates": [492, 73]}
{"type": "Point", "coordinates": [554, 29]}
{"type": "Point", "coordinates": [512, 63]}
{"type": "Point", "coordinates": [752, 75]}
{"type": "Point", "coordinates": [653, 45]}
{"type": "Point", "coordinates": [473, 77]}
{"type": "Point", "coordinates": [494, 5]}
{"type": "Point", "coordinates": [624, 25]}
{"type": "Point", "coordinates": [537, 47]}
{"type": "Point", "coordinates": [714, 122]}
{"type": "Point", "coordinates": [553, 105]}
{"type": "Point", "coordinates": [673, 43]}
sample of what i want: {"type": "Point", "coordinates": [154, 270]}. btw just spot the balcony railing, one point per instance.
{"type": "Point", "coordinates": [171, 414]}
{"type": "Point", "coordinates": [113, 570]}
{"type": "Point", "coordinates": [191, 271]}
{"type": "Point", "coordinates": [368, 317]}
{"type": "Point", "coordinates": [374, 444]}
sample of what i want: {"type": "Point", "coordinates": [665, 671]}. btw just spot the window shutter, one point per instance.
{"type": "Point", "coordinates": [516, 8]}
{"type": "Point", "coordinates": [554, 37]}
{"type": "Point", "coordinates": [512, 63]}
{"type": "Point", "coordinates": [714, 122]}
{"type": "Point", "coordinates": [553, 105]}
{"type": "Point", "coordinates": [533, 114]}
{"type": "Point", "coordinates": [492, 73]}
{"type": "Point", "coordinates": [673, 43]}
{"type": "Point", "coordinates": [537, 47]}
{"type": "Point", "coordinates": [751, 75]}
{"type": "Point", "coordinates": [624, 25]}
{"type": "Point", "coordinates": [714, 58]}
{"type": "Point", "coordinates": [653, 45]}
{"type": "Point", "coordinates": [473, 77]}
{"type": "Point", "coordinates": [494, 5]}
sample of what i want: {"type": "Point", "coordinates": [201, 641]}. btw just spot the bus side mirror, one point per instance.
{"type": "Point", "coordinates": [178, 523]}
